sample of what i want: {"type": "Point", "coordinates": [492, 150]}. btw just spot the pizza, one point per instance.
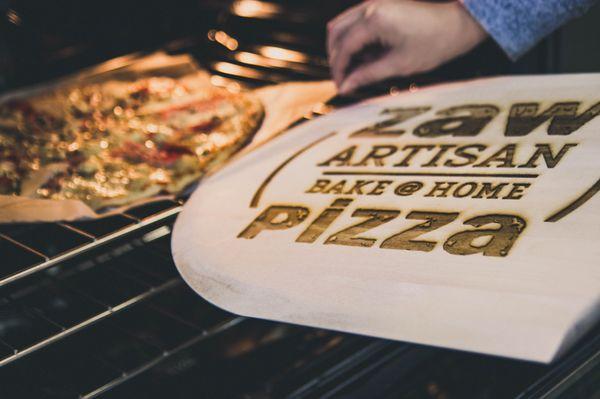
{"type": "Point", "coordinates": [112, 143]}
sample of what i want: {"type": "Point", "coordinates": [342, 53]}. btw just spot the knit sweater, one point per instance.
{"type": "Point", "coordinates": [517, 25]}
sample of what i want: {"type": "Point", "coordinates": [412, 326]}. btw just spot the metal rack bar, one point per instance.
{"type": "Point", "coordinates": [575, 366]}
{"type": "Point", "coordinates": [100, 316]}
{"type": "Point", "coordinates": [21, 245]}
{"type": "Point", "coordinates": [76, 230]}
{"type": "Point", "coordinates": [165, 355]}
{"type": "Point", "coordinates": [86, 247]}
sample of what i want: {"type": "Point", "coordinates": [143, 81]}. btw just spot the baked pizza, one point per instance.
{"type": "Point", "coordinates": [113, 143]}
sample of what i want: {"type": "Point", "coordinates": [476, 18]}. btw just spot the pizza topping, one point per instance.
{"type": "Point", "coordinates": [186, 163]}
{"type": "Point", "coordinates": [117, 140]}
{"type": "Point", "coordinates": [169, 153]}
{"type": "Point", "coordinates": [9, 177]}
{"type": "Point", "coordinates": [206, 126]}
{"type": "Point", "coordinates": [89, 167]}
{"type": "Point", "coordinates": [132, 152]}
{"type": "Point", "coordinates": [150, 153]}
{"type": "Point", "coordinates": [159, 176]}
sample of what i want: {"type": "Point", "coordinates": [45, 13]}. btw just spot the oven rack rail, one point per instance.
{"type": "Point", "coordinates": [82, 238]}
{"type": "Point", "coordinates": [203, 335]}
{"type": "Point", "coordinates": [66, 331]}
{"type": "Point", "coordinates": [36, 251]}
{"type": "Point", "coordinates": [135, 270]}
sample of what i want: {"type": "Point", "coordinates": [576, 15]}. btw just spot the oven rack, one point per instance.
{"type": "Point", "coordinates": [145, 331]}
{"type": "Point", "coordinates": [203, 335]}
{"type": "Point", "coordinates": [46, 255]}
{"type": "Point", "coordinates": [23, 241]}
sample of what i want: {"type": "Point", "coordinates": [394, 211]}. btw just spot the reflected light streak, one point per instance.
{"type": "Point", "coordinates": [282, 54]}
{"type": "Point", "coordinates": [223, 38]}
{"type": "Point", "coordinates": [255, 9]}
{"type": "Point", "coordinates": [255, 59]}
{"type": "Point", "coordinates": [232, 69]}
{"type": "Point", "coordinates": [13, 17]}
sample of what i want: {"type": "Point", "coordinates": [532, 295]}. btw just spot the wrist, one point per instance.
{"type": "Point", "coordinates": [471, 31]}
{"type": "Point", "coordinates": [468, 33]}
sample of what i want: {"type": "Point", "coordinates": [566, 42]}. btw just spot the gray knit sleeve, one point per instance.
{"type": "Point", "coordinates": [517, 25]}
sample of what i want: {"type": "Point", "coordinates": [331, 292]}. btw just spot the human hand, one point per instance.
{"type": "Point", "coordinates": [413, 37]}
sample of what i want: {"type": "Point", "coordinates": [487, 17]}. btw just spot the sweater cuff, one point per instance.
{"type": "Point", "coordinates": [518, 25]}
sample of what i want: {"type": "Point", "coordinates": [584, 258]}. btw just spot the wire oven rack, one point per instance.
{"type": "Point", "coordinates": [97, 309]}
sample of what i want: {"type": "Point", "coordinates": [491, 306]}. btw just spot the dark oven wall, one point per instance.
{"type": "Point", "coordinates": [42, 40]}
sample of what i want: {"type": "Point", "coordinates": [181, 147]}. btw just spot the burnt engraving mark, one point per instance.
{"type": "Point", "coordinates": [498, 242]}
{"type": "Point", "coordinates": [348, 236]}
{"type": "Point", "coordinates": [406, 239]}
{"type": "Point", "coordinates": [275, 217]}
{"type": "Point", "coordinates": [265, 183]}
{"type": "Point", "coordinates": [382, 128]}
{"type": "Point", "coordinates": [582, 199]}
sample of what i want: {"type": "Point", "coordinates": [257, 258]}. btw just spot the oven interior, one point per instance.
{"type": "Point", "coordinates": [97, 308]}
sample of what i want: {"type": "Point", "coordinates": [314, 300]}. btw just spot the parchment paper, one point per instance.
{"type": "Point", "coordinates": [283, 103]}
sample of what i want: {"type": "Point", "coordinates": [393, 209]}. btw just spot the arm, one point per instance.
{"type": "Point", "coordinates": [517, 25]}
{"type": "Point", "coordinates": [413, 36]}
{"type": "Point", "coordinates": [417, 36]}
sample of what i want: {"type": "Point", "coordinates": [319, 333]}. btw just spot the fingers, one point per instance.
{"type": "Point", "coordinates": [341, 23]}
{"type": "Point", "coordinates": [357, 38]}
{"type": "Point", "coordinates": [339, 27]}
{"type": "Point", "coordinates": [366, 74]}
